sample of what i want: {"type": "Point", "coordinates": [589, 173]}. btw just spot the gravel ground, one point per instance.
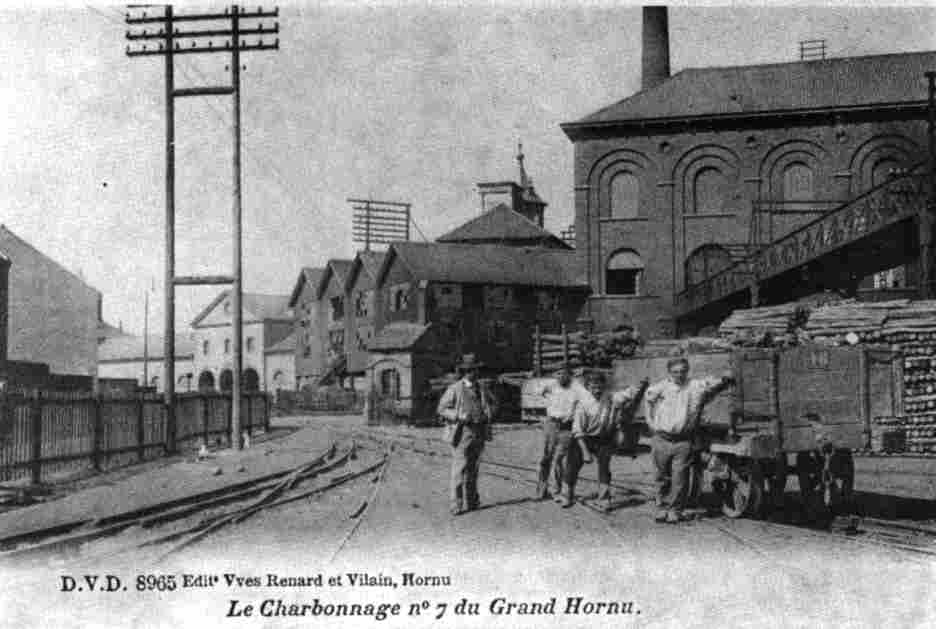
{"type": "Point", "coordinates": [733, 573]}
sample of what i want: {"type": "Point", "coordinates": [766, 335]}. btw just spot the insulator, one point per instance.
{"type": "Point", "coordinates": [144, 31]}
{"type": "Point", "coordinates": [210, 44]}
{"type": "Point", "coordinates": [177, 46]}
{"type": "Point", "coordinates": [193, 44]}
{"type": "Point", "coordinates": [160, 46]}
{"type": "Point", "coordinates": [261, 41]}
{"type": "Point", "coordinates": [227, 44]}
{"type": "Point", "coordinates": [128, 49]}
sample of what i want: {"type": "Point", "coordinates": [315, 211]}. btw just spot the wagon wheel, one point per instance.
{"type": "Point", "coordinates": [743, 490]}
{"type": "Point", "coordinates": [776, 481]}
{"type": "Point", "coordinates": [839, 486]}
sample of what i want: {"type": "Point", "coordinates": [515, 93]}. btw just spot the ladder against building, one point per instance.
{"type": "Point", "coordinates": [873, 232]}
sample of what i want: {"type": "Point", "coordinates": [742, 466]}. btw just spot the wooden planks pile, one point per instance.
{"type": "Point", "coordinates": [906, 326]}
{"type": "Point", "coordinates": [766, 326]}
{"type": "Point", "coordinates": [551, 352]}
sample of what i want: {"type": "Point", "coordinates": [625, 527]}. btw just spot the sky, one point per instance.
{"type": "Point", "coordinates": [406, 102]}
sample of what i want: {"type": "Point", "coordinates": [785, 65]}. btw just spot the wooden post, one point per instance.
{"type": "Point", "coordinates": [249, 425]}
{"type": "Point", "coordinates": [141, 427]}
{"type": "Point", "coordinates": [206, 410]}
{"type": "Point", "coordinates": [230, 418]}
{"type": "Point", "coordinates": [266, 413]}
{"type": "Point", "coordinates": [565, 347]}
{"type": "Point", "coordinates": [35, 418]}
{"type": "Point", "coordinates": [98, 423]}
{"type": "Point", "coordinates": [537, 352]}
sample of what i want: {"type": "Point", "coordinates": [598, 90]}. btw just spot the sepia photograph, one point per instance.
{"type": "Point", "coordinates": [502, 314]}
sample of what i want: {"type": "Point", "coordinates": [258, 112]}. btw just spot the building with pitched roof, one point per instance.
{"type": "Point", "coordinates": [683, 189]}
{"type": "Point", "coordinates": [360, 316]}
{"type": "Point", "coordinates": [267, 321]}
{"type": "Point", "coordinates": [332, 311]}
{"type": "Point", "coordinates": [437, 301]}
{"type": "Point", "coordinates": [49, 315]}
{"type": "Point", "coordinates": [309, 356]}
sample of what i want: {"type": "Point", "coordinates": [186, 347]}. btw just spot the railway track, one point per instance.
{"type": "Point", "coordinates": [168, 528]}
{"type": "Point", "coordinates": [917, 541]}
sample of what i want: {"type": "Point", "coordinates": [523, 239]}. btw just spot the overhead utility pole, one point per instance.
{"type": "Point", "coordinates": [225, 33]}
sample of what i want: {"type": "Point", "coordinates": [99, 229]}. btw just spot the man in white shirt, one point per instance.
{"type": "Point", "coordinates": [562, 400]}
{"type": "Point", "coordinates": [674, 408]}
{"type": "Point", "coordinates": [593, 429]}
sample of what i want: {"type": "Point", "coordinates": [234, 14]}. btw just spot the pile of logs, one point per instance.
{"type": "Point", "coordinates": [905, 326]}
{"type": "Point", "coordinates": [770, 326]}
{"type": "Point", "coordinates": [552, 352]}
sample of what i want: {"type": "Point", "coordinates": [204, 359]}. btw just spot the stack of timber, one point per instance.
{"type": "Point", "coordinates": [683, 347]}
{"type": "Point", "coordinates": [905, 326]}
{"type": "Point", "coordinates": [552, 352]}
{"type": "Point", "coordinates": [769, 326]}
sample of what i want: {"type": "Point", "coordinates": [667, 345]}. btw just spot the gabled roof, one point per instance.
{"type": "Point", "coordinates": [130, 348]}
{"type": "Point", "coordinates": [829, 84]}
{"type": "Point", "coordinates": [336, 268]}
{"type": "Point", "coordinates": [501, 224]}
{"type": "Point", "coordinates": [285, 346]}
{"type": "Point", "coordinates": [399, 335]}
{"type": "Point", "coordinates": [256, 307]}
{"type": "Point", "coordinates": [308, 275]}
{"type": "Point", "coordinates": [487, 264]}
{"type": "Point", "coordinates": [369, 261]}
{"type": "Point", "coordinates": [6, 233]}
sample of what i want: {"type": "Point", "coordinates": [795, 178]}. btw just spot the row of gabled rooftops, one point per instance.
{"type": "Point", "coordinates": [500, 246]}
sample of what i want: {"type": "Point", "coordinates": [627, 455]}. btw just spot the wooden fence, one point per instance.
{"type": "Point", "coordinates": [44, 434]}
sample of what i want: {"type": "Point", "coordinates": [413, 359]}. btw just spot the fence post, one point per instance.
{"type": "Point", "coordinates": [206, 410]}
{"type": "Point", "coordinates": [35, 418]}
{"type": "Point", "coordinates": [140, 427]}
{"type": "Point", "coordinates": [229, 400]}
{"type": "Point", "coordinates": [267, 410]}
{"type": "Point", "coordinates": [98, 434]}
{"type": "Point", "coordinates": [565, 347]}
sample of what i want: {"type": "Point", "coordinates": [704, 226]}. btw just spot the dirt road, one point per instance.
{"type": "Point", "coordinates": [513, 557]}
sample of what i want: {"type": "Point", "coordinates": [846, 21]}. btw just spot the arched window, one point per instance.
{"type": "Point", "coordinates": [390, 383]}
{"type": "Point", "coordinates": [708, 191]}
{"type": "Point", "coordinates": [623, 273]}
{"type": "Point", "coordinates": [625, 196]}
{"type": "Point", "coordinates": [798, 183]}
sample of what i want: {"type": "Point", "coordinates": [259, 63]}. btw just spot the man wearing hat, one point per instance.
{"type": "Point", "coordinates": [467, 409]}
{"type": "Point", "coordinates": [562, 398]}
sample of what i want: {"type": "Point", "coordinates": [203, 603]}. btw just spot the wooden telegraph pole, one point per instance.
{"type": "Point", "coordinates": [926, 218]}
{"type": "Point", "coordinates": [224, 35]}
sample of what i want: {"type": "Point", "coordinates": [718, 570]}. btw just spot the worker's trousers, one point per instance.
{"type": "Point", "coordinates": [466, 457]}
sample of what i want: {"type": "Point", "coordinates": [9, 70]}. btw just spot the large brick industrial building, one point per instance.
{"type": "Point", "coordinates": [703, 168]}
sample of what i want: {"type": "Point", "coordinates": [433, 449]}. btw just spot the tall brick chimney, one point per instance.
{"type": "Point", "coordinates": [655, 47]}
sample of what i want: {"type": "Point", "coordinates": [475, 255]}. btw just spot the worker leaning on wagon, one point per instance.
{"type": "Point", "coordinates": [562, 399]}
{"type": "Point", "coordinates": [674, 407]}
{"type": "Point", "coordinates": [467, 408]}
{"type": "Point", "coordinates": [594, 429]}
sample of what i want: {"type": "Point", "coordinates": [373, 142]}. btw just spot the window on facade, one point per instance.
{"type": "Point", "coordinates": [447, 295]}
{"type": "Point", "coordinates": [625, 196]}
{"type": "Point", "coordinates": [390, 383]}
{"type": "Point", "coordinates": [798, 183]}
{"type": "Point", "coordinates": [705, 262]}
{"type": "Point", "coordinates": [547, 301]}
{"type": "Point", "coordinates": [205, 346]}
{"type": "Point", "coordinates": [497, 297]}
{"type": "Point", "coordinates": [337, 308]}
{"type": "Point", "coordinates": [362, 304]}
{"type": "Point", "coordinates": [623, 273]}
{"type": "Point", "coordinates": [400, 299]}
{"type": "Point", "coordinates": [708, 191]}
{"type": "Point", "coordinates": [227, 346]}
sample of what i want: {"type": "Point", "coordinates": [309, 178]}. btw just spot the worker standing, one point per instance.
{"type": "Point", "coordinates": [594, 429]}
{"type": "Point", "coordinates": [674, 408]}
{"type": "Point", "coordinates": [562, 398]}
{"type": "Point", "coordinates": [468, 411]}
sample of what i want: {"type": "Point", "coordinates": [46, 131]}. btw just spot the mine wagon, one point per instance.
{"type": "Point", "coordinates": [813, 404]}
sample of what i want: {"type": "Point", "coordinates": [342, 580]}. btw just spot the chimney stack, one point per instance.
{"type": "Point", "coordinates": [655, 47]}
